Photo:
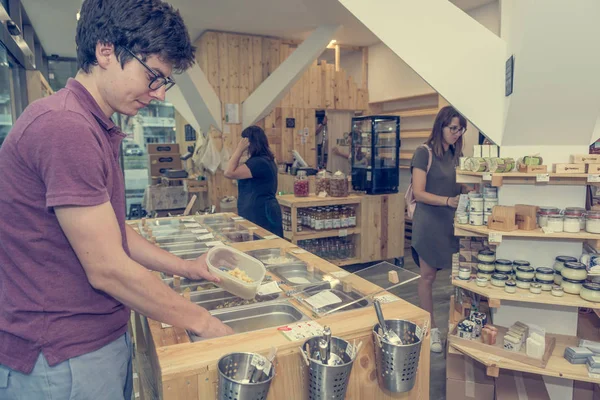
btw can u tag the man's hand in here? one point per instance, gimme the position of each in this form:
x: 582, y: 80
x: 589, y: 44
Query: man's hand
x: 198, y: 269
x: 213, y: 327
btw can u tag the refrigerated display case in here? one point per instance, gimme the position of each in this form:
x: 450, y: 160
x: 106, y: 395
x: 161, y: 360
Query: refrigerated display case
x: 376, y: 154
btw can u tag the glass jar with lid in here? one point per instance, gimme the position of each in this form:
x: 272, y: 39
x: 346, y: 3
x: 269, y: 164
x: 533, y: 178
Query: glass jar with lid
x: 544, y: 213
x: 572, y: 223
x: 337, y: 221
x: 301, y: 187
x: 505, y: 266
x: 525, y: 272
x: 572, y: 286
x: 574, y: 270
x: 499, y: 280
x: 486, y: 255
x: 544, y: 274
x: 559, y: 262
x: 555, y: 223
x: 322, y: 181
x: 338, y: 185
x: 590, y: 292
x: 520, y: 263
x: 576, y: 212
x: 486, y: 266
x: 592, y: 222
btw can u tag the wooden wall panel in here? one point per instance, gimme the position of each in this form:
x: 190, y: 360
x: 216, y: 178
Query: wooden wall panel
x: 236, y: 64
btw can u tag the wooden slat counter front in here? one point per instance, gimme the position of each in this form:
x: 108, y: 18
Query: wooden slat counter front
x: 181, y: 370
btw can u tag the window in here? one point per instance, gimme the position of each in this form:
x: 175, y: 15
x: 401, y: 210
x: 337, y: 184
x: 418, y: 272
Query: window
x: 153, y: 124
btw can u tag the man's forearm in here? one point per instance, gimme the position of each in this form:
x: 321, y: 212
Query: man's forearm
x: 152, y: 256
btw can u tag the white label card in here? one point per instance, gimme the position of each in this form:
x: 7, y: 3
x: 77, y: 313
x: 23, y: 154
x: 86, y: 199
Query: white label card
x: 301, y: 330
x: 164, y: 326
x: 387, y: 298
x: 418, y: 331
x: 323, y: 299
x: 343, y: 232
x: 213, y: 244
x: 192, y: 225
x: 237, y: 218
x: 267, y: 369
x: 542, y: 178
x: 269, y: 288
x: 593, y: 178
x: 495, y: 237
x: 350, y: 350
x: 270, y: 237
x: 205, y: 237
x: 487, y: 176
x: 199, y: 231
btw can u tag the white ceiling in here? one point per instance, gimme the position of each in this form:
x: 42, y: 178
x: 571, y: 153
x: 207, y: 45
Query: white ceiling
x: 55, y: 20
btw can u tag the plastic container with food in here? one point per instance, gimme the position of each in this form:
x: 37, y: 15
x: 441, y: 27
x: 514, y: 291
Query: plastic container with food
x: 239, y: 273
x: 576, y: 212
x: 478, y: 164
x: 301, y: 185
x: 544, y: 274
x: 525, y: 272
x: 572, y: 286
x: 486, y: 266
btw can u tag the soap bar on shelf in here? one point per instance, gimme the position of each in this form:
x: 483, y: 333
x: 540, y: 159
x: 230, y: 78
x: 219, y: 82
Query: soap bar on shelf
x: 535, y: 348
x: 511, y: 343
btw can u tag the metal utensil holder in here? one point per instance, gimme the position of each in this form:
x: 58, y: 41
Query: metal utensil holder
x: 235, y: 373
x: 397, y: 364
x: 328, y: 381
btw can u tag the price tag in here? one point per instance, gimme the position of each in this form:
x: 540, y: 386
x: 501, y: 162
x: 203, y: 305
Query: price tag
x: 164, y: 326
x: 206, y: 237
x: 350, y: 350
x: 193, y: 225
x: 542, y: 178
x: 493, y: 358
x: 323, y: 299
x: 419, y: 331
x: 199, y: 231
x: 237, y: 218
x: 213, y: 244
x: 270, y: 237
x: 267, y: 369
x: 487, y: 176
x: 269, y: 288
x: 387, y: 298
x: 343, y: 232
x: 495, y: 237
x: 301, y: 330
x: 593, y: 178
x: 594, y: 376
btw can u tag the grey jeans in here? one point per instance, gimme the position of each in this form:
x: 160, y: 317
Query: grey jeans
x: 102, y: 374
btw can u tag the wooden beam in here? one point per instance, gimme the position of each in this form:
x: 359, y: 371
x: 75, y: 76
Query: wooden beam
x: 337, y: 58
x: 273, y: 89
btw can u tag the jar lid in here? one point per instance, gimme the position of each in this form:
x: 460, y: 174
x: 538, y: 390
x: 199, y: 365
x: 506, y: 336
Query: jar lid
x: 545, y: 282
x: 475, y: 195
x: 487, y: 253
x: 521, y: 263
x: 511, y: 283
x: 525, y: 268
x: 485, y: 262
x: 574, y: 265
x: 524, y: 280
x: 544, y: 270
x: 500, y: 277
x: 490, y: 196
x: 573, y: 280
x: 592, y: 286
x: 577, y: 213
x: 503, y: 262
x: 565, y: 259
x: 555, y: 216
x: 593, y: 215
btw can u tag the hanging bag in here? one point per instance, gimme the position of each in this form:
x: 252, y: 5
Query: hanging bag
x: 409, y: 197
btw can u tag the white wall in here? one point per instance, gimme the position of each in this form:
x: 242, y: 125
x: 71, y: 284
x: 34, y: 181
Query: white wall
x: 390, y: 77
x: 351, y: 63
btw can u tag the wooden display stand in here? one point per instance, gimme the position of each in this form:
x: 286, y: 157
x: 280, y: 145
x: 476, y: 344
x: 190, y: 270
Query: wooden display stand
x: 379, y: 230
x: 171, y: 367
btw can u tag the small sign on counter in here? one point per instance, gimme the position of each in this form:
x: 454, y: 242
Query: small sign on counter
x: 269, y: 288
x: 387, y: 298
x: 205, y: 237
x: 542, y: 178
x: 323, y: 299
x: 593, y: 178
x: 301, y: 330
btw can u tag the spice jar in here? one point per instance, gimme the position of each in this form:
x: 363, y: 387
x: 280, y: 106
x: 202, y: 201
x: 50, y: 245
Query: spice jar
x: 486, y: 256
x: 301, y: 187
x: 555, y: 223
x: 544, y: 213
x: 574, y: 270
x: 592, y: 222
x: 577, y: 212
x: 590, y: 292
x: 535, y: 288
x: 322, y: 182
x: 337, y: 221
x: 510, y: 287
x: 338, y: 185
x: 572, y: 286
x: 557, y: 291
x: 559, y: 262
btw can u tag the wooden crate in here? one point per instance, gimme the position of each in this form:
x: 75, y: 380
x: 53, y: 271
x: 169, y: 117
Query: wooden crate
x: 533, y: 169
x: 569, y: 168
x: 526, y: 217
x: 503, y: 219
x: 593, y: 168
x: 585, y: 158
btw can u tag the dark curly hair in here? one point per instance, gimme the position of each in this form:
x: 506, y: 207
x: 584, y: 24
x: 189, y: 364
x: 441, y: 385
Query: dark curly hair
x: 146, y: 27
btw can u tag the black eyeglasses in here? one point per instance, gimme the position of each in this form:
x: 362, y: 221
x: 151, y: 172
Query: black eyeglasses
x: 456, y: 129
x: 158, y: 81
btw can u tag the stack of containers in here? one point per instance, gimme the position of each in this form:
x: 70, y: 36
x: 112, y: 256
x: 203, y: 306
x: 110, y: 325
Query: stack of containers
x: 490, y: 200
x: 480, y: 207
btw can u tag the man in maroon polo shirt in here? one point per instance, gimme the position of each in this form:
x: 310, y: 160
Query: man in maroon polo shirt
x: 70, y: 268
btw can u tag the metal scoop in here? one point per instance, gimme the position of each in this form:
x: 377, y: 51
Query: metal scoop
x: 388, y: 335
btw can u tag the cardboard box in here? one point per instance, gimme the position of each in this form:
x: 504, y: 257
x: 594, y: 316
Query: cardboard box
x: 466, y: 379
x: 162, y: 162
x: 585, y: 158
x: 512, y: 385
x: 161, y: 148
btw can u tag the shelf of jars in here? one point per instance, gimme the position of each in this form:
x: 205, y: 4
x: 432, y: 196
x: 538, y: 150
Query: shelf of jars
x: 524, y: 178
x: 483, y: 231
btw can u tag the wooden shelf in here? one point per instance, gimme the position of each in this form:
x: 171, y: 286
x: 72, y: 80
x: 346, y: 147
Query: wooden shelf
x: 421, y: 112
x: 521, y: 178
x: 406, y: 155
x: 312, y: 234
x: 496, y: 295
x: 414, y: 134
x: 432, y: 95
x: 557, y: 365
x: 484, y: 231
x: 289, y: 200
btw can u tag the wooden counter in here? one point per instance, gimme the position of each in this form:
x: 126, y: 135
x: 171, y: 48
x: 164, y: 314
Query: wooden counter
x: 380, y: 224
x: 179, y: 369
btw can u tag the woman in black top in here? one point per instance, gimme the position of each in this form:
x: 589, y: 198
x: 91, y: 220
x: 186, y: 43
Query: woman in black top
x: 257, y: 181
